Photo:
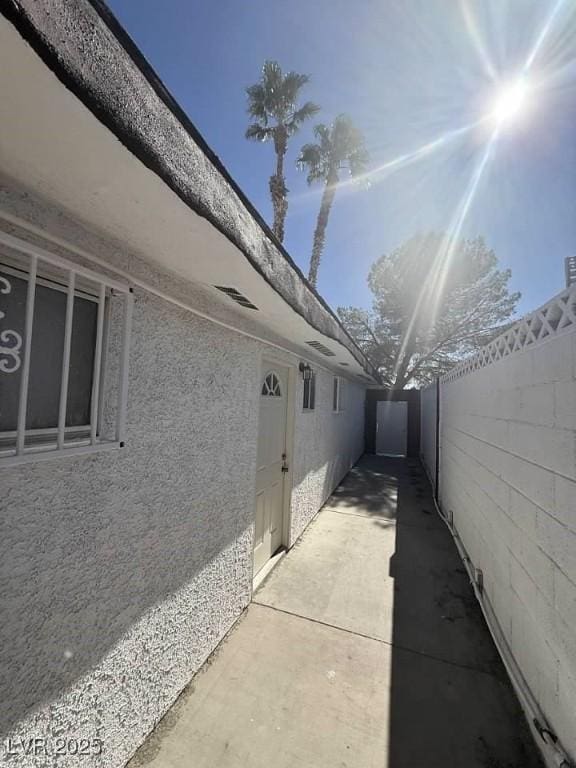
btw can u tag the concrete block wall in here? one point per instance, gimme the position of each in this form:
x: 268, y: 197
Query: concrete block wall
x: 508, y: 475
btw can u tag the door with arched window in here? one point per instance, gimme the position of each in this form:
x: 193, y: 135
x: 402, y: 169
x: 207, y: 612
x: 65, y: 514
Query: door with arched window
x: 271, y: 463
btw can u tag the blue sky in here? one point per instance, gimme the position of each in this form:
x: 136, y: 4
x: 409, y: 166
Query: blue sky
x: 408, y: 72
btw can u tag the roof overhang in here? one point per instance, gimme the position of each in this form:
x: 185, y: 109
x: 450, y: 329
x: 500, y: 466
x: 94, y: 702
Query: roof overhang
x: 87, y: 125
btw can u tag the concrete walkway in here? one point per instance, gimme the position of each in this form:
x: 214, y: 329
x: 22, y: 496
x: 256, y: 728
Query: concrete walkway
x: 364, y: 648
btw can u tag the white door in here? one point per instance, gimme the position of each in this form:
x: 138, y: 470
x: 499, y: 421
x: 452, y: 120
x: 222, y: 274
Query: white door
x: 271, y: 463
x: 391, y: 427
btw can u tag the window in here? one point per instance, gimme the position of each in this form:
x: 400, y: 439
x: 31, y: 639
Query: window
x: 338, y: 395
x: 309, y: 393
x: 56, y: 319
x: 271, y: 386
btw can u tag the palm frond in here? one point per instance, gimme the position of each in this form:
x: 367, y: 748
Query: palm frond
x: 309, y: 155
x: 305, y: 112
x: 293, y: 81
x: 312, y: 159
x: 322, y: 133
x: 275, y: 98
x: 348, y: 145
x: 257, y: 103
x: 338, y: 146
x: 272, y: 73
x: 258, y: 132
x: 292, y: 84
x: 358, y: 161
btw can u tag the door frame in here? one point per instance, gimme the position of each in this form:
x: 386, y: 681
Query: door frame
x: 412, y: 397
x: 268, y: 361
x: 381, y: 407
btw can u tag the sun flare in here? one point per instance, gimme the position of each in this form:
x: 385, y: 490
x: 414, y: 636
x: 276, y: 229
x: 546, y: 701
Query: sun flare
x: 510, y: 102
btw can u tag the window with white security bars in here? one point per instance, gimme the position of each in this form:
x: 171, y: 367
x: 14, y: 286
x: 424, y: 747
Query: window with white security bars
x: 64, y: 349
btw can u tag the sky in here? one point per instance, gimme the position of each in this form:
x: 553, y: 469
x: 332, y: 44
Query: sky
x: 408, y: 72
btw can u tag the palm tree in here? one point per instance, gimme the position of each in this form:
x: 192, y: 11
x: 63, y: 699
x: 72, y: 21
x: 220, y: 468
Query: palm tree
x: 273, y: 103
x: 339, y: 147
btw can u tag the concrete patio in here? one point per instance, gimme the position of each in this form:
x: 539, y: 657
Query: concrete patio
x: 364, y: 648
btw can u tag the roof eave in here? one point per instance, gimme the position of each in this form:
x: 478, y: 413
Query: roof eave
x: 94, y: 57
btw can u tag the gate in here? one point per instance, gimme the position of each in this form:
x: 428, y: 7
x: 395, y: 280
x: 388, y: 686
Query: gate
x: 391, y: 428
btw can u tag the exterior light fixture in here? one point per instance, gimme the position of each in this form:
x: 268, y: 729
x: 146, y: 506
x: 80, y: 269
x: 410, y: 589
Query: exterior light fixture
x: 306, y: 371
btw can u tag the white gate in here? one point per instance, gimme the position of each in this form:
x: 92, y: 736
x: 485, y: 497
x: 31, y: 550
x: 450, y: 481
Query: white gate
x: 391, y: 427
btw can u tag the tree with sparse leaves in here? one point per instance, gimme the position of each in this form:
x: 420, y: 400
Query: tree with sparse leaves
x: 435, y: 301
x: 273, y: 104
x: 338, y: 148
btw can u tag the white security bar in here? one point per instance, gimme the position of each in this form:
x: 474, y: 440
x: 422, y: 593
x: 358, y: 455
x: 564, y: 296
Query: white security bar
x: 33, y: 250
x: 66, y: 358
x: 123, y: 389
x: 53, y: 441
x: 23, y: 394
x: 97, y: 365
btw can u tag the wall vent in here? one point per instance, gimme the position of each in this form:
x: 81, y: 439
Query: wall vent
x: 319, y: 347
x: 235, y: 295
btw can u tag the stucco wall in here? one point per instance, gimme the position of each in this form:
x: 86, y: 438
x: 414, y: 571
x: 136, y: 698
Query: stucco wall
x: 508, y: 473
x: 122, y: 570
x: 327, y: 445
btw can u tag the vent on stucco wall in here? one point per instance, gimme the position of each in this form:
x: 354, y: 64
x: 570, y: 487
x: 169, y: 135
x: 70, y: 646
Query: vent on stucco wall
x: 235, y: 295
x: 319, y: 347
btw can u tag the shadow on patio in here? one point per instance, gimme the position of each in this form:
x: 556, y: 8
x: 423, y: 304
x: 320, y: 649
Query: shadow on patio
x: 364, y: 648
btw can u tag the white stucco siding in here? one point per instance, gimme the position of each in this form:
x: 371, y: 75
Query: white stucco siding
x: 124, y: 569
x: 327, y: 445
x: 508, y: 474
